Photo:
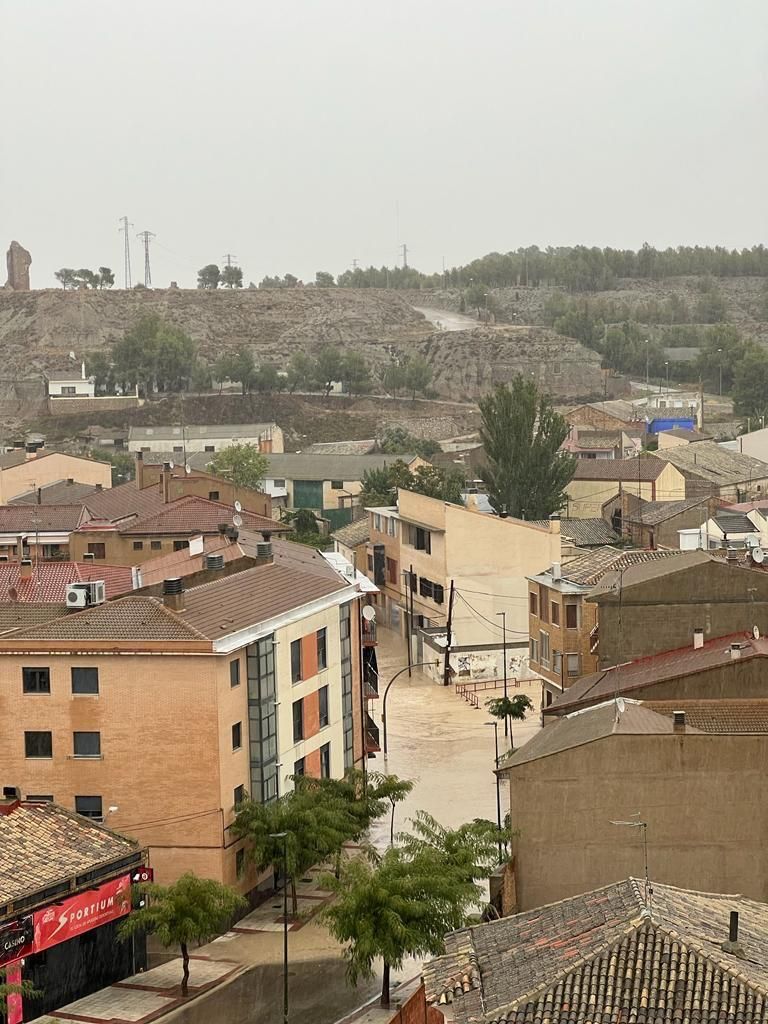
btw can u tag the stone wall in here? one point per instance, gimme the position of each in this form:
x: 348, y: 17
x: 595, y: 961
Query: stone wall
x: 18, y: 261
x: 63, y: 406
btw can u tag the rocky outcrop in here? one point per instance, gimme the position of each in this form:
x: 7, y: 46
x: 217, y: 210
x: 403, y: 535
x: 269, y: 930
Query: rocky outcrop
x: 19, y: 262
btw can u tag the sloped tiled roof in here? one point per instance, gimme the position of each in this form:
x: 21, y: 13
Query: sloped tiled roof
x: 735, y: 522
x: 610, y: 957
x: 127, y: 618
x: 341, y: 447
x: 43, y: 844
x: 123, y: 501
x: 712, y: 462
x: 587, y: 569
x: 642, y: 468
x: 651, y: 513
x: 49, y: 580
x: 584, y: 532
x: 191, y: 514
x: 721, y: 716
x: 43, y: 518
x: 62, y: 492
x: 22, y: 616
x: 354, y: 533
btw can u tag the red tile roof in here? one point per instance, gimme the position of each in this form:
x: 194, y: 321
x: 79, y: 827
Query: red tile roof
x: 49, y: 580
x: 43, y: 518
x: 723, y: 716
x: 123, y: 501
x: 631, y: 470
x: 191, y: 514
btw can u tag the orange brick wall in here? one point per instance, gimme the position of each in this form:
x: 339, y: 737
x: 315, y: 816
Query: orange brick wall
x: 311, y: 715
x: 312, y: 764
x: 309, y: 656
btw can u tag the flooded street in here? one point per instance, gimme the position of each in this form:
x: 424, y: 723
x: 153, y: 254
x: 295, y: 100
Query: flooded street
x: 445, y: 320
x: 441, y: 742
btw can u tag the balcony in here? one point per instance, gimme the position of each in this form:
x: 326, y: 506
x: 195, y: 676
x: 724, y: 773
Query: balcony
x: 372, y: 742
x: 370, y: 682
x: 369, y: 633
x: 594, y: 639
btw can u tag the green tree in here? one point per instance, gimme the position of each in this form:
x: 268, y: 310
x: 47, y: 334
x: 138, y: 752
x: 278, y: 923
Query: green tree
x: 66, y: 278
x: 380, y: 485
x: 200, y: 378
x: 9, y: 988
x: 397, y: 906
x: 304, y: 521
x: 711, y: 308
x: 394, y: 378
x: 267, y: 379
x: 324, y: 280
x: 99, y: 366
x: 721, y: 352
x: 190, y: 910
x: 418, y: 375
x: 471, y: 849
x: 301, y: 372
x: 510, y: 709
x: 232, y: 277
x: 526, y: 474
x: 209, y: 277
x: 355, y: 373
x: 392, y: 789
x: 434, y: 482
x: 122, y: 463
x: 329, y: 367
x: 242, y: 368
x: 154, y: 354
x: 398, y: 441
x: 474, y: 296
x: 243, y: 464
x: 106, y: 277
x: 750, y: 386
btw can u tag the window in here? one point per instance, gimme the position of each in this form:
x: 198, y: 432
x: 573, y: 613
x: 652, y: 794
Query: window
x: 68, y: 390
x: 298, y: 767
x: 322, y: 648
x: 97, y: 550
x: 89, y: 807
x: 323, y: 700
x: 38, y: 744
x: 337, y: 485
x: 557, y: 663
x: 534, y: 650
x: 295, y: 661
x: 298, y: 720
x: 179, y: 545
x: 178, y: 448
x: 533, y: 603
x: 573, y: 663
x: 36, y: 680
x: 138, y: 545
x: 278, y: 483
x: 421, y: 539
x: 370, y: 565
x: 85, y: 680
x: 234, y: 672
x: 555, y: 613
x: 156, y: 545
x: 325, y: 761
x: 209, y: 448
x: 543, y: 603
x: 237, y: 735
x: 213, y: 495
x: 438, y: 593
x: 557, y: 369
x: 571, y: 616
x: 238, y: 796
x: 377, y: 521
x: 240, y: 862
x: 392, y: 527
x: 425, y: 587
x: 544, y: 648
x: 87, y: 744
x: 38, y: 799
x: 392, y: 571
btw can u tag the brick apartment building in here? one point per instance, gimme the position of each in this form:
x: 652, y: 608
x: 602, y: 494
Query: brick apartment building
x: 158, y: 715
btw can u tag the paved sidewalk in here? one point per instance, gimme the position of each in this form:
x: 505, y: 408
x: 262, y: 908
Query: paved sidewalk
x: 145, y: 997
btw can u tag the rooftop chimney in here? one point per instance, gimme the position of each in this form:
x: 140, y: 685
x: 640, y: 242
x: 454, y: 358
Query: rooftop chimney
x: 70, y: 481
x: 10, y: 800
x: 173, y: 593
x: 165, y: 482
x: 732, y: 556
x: 732, y: 945
x: 99, y: 487
x: 735, y: 651
x: 555, y: 571
x: 26, y: 568
x: 698, y: 638
x: 554, y: 523
x: 678, y: 720
x: 214, y: 561
x: 139, y: 470
x: 40, y: 495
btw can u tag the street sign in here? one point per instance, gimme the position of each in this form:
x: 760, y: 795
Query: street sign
x: 16, y: 939
x: 143, y: 875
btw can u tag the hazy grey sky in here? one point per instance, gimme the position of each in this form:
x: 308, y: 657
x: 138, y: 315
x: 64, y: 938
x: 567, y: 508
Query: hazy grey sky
x: 288, y: 132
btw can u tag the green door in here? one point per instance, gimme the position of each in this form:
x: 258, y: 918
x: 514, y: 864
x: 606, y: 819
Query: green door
x: 308, y: 494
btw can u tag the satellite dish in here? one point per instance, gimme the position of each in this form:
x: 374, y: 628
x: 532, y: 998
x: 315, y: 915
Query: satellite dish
x: 757, y: 555
x: 238, y: 507
x: 237, y: 521
x: 187, y: 468
x: 369, y: 613
x: 171, y: 464
x: 620, y: 705
x: 756, y: 632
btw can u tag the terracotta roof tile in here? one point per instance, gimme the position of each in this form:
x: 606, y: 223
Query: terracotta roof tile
x: 45, y: 518
x: 584, y: 532
x: 42, y: 844
x: 125, y: 500
x: 641, y: 468
x: 127, y: 618
x: 62, y: 492
x: 49, y: 580
x: 354, y: 533
x: 720, y: 716
x: 605, y: 958
x: 587, y: 569
x: 191, y: 514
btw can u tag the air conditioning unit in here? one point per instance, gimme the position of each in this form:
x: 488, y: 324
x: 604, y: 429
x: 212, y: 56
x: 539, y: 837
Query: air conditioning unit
x: 83, y: 595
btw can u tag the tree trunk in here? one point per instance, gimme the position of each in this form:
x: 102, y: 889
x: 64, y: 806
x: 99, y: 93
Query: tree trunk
x: 185, y: 964
x: 294, y: 898
x: 385, y: 987
x: 511, y: 741
x: 392, y: 826
x: 337, y: 871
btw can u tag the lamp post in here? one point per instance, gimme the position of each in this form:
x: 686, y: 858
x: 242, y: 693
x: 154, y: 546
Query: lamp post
x: 504, y: 656
x: 498, y: 791
x: 284, y: 837
x: 419, y: 664
x: 647, y: 363
x: 720, y: 354
x: 666, y: 363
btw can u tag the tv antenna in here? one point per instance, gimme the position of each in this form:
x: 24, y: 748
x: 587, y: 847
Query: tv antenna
x: 636, y: 823
x: 127, y: 269
x: 145, y: 237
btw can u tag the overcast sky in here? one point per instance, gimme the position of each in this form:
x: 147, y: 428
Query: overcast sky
x: 302, y: 134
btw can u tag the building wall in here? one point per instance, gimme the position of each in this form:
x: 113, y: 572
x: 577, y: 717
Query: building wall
x: 82, y: 388
x: 661, y: 614
x: 596, y: 419
x: 561, y: 639
x: 119, y: 549
x: 182, y: 485
x: 268, y: 441
x: 703, y: 797
x: 37, y: 472
x: 64, y: 406
x: 585, y: 498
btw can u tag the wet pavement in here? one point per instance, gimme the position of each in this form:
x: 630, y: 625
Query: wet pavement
x: 446, y: 320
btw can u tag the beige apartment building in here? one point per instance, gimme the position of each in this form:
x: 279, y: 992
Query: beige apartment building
x: 157, y: 716
x: 210, y: 438
x: 23, y: 471
x: 596, y: 481
x: 418, y: 547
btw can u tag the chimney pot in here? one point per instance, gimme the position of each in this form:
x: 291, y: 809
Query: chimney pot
x: 173, y: 593
x: 26, y: 568
x: 679, y: 721
x: 555, y: 571
x: 732, y: 945
x: 698, y: 638
x: 70, y: 481
x: 214, y: 561
x: 735, y: 651
x: 88, y: 556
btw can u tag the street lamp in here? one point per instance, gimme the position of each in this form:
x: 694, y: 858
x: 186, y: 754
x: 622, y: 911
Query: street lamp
x: 720, y: 353
x: 647, y: 363
x: 419, y: 664
x: 284, y: 837
x: 498, y: 791
x: 504, y: 655
x: 666, y: 363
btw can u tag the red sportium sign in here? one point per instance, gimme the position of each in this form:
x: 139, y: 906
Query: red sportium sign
x: 77, y: 915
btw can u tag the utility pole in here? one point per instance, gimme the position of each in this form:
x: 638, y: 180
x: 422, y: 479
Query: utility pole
x: 407, y: 576
x: 504, y: 655
x: 228, y: 257
x: 355, y: 263
x: 446, y: 664
x: 145, y: 237
x: 127, y: 268
x: 404, y: 247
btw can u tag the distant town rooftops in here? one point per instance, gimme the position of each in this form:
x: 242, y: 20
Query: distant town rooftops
x: 226, y: 431
x: 353, y: 534
x: 610, y: 955
x: 62, y: 492
x: 191, y: 514
x: 48, y: 580
x: 42, y: 845
x: 341, y: 448
x: 584, y: 532
x: 688, y: 434
x: 298, y: 466
x: 712, y: 462
x: 651, y: 513
x: 642, y: 468
x: 717, y: 716
x: 615, y: 407
x: 30, y: 519
x: 585, y: 570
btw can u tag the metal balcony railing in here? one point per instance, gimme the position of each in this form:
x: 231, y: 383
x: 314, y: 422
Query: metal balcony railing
x: 372, y: 739
x: 369, y: 633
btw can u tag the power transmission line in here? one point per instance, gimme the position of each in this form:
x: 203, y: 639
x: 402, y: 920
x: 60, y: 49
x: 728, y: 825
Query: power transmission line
x: 404, y: 247
x: 145, y: 236
x: 127, y: 268
x: 228, y: 257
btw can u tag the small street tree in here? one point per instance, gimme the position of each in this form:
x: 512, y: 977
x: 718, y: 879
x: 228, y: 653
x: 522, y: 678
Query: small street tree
x: 243, y: 464
x: 471, y: 849
x: 392, y: 789
x: 526, y: 473
x: 106, y: 277
x: 510, y: 709
x: 190, y: 910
